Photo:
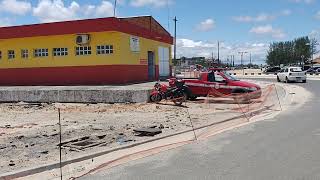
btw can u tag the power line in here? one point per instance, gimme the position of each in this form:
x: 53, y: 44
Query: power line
x: 218, y: 53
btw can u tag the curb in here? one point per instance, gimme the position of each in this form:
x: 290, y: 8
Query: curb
x: 48, y: 167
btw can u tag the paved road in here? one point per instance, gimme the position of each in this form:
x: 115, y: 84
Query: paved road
x: 287, y: 147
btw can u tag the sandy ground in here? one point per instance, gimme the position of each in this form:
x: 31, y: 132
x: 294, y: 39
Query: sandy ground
x: 29, y: 133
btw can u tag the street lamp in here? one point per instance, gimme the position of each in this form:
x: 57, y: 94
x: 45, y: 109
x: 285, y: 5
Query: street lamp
x: 302, y: 61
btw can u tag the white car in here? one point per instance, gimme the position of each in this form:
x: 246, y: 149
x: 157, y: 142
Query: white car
x: 292, y: 74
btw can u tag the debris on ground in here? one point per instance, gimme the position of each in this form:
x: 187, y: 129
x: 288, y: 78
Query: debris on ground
x: 151, y: 131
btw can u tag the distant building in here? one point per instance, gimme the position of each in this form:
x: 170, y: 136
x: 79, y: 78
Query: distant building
x: 187, y: 62
x: 316, y: 61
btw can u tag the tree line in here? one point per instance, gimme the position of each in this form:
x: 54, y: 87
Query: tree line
x: 297, y: 51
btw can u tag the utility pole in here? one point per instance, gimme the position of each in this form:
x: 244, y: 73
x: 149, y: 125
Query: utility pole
x: 233, y: 60
x: 250, y: 61
x: 218, y: 53
x: 212, y: 60
x: 175, y: 39
x: 114, y: 8
x: 242, y: 53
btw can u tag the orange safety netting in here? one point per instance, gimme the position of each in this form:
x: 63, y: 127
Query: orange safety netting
x: 247, y: 103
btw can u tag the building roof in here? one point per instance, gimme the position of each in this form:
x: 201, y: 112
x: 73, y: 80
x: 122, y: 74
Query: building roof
x: 316, y: 61
x: 142, y: 26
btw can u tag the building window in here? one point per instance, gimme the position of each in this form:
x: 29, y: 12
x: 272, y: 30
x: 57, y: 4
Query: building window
x: 24, y: 53
x: 11, y: 54
x: 105, y: 49
x: 41, y: 52
x: 83, y: 50
x: 60, y: 51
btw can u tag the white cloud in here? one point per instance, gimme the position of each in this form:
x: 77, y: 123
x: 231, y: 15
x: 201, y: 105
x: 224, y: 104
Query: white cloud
x: 317, y: 16
x: 121, y: 2
x: 89, y: 10
x: 262, y: 17
x: 303, y: 1
x: 206, y: 25
x: 286, y: 12
x: 191, y: 48
x: 314, y: 34
x: 268, y: 30
x: 57, y: 10
x: 154, y: 3
x: 259, y: 18
x: 5, y: 22
x: 188, y: 43
x: 15, y: 7
x: 105, y: 9
x: 258, y: 45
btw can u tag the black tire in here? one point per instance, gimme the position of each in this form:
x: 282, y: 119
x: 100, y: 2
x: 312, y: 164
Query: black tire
x: 192, y: 98
x: 179, y: 101
x: 287, y: 80
x: 278, y: 79
x: 156, y: 98
x: 304, y: 81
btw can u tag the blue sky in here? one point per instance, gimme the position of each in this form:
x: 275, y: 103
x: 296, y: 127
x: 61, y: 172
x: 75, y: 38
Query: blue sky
x: 246, y: 25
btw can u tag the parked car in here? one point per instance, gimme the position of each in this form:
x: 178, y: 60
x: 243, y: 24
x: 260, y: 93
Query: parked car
x: 272, y: 70
x: 223, y: 84
x: 313, y: 70
x: 292, y: 74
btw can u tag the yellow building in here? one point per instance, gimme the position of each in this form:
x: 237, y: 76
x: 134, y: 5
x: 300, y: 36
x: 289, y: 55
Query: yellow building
x: 85, y: 52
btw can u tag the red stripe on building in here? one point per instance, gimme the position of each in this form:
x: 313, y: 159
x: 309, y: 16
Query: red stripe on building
x: 143, y: 61
x: 83, y: 75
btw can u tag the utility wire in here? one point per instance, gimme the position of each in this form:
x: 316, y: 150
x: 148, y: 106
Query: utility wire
x: 189, y: 117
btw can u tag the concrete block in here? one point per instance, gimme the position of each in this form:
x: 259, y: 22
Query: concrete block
x: 77, y: 94
x: 5, y: 96
x: 66, y: 96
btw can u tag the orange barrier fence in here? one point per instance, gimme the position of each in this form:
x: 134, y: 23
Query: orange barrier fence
x: 267, y: 98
